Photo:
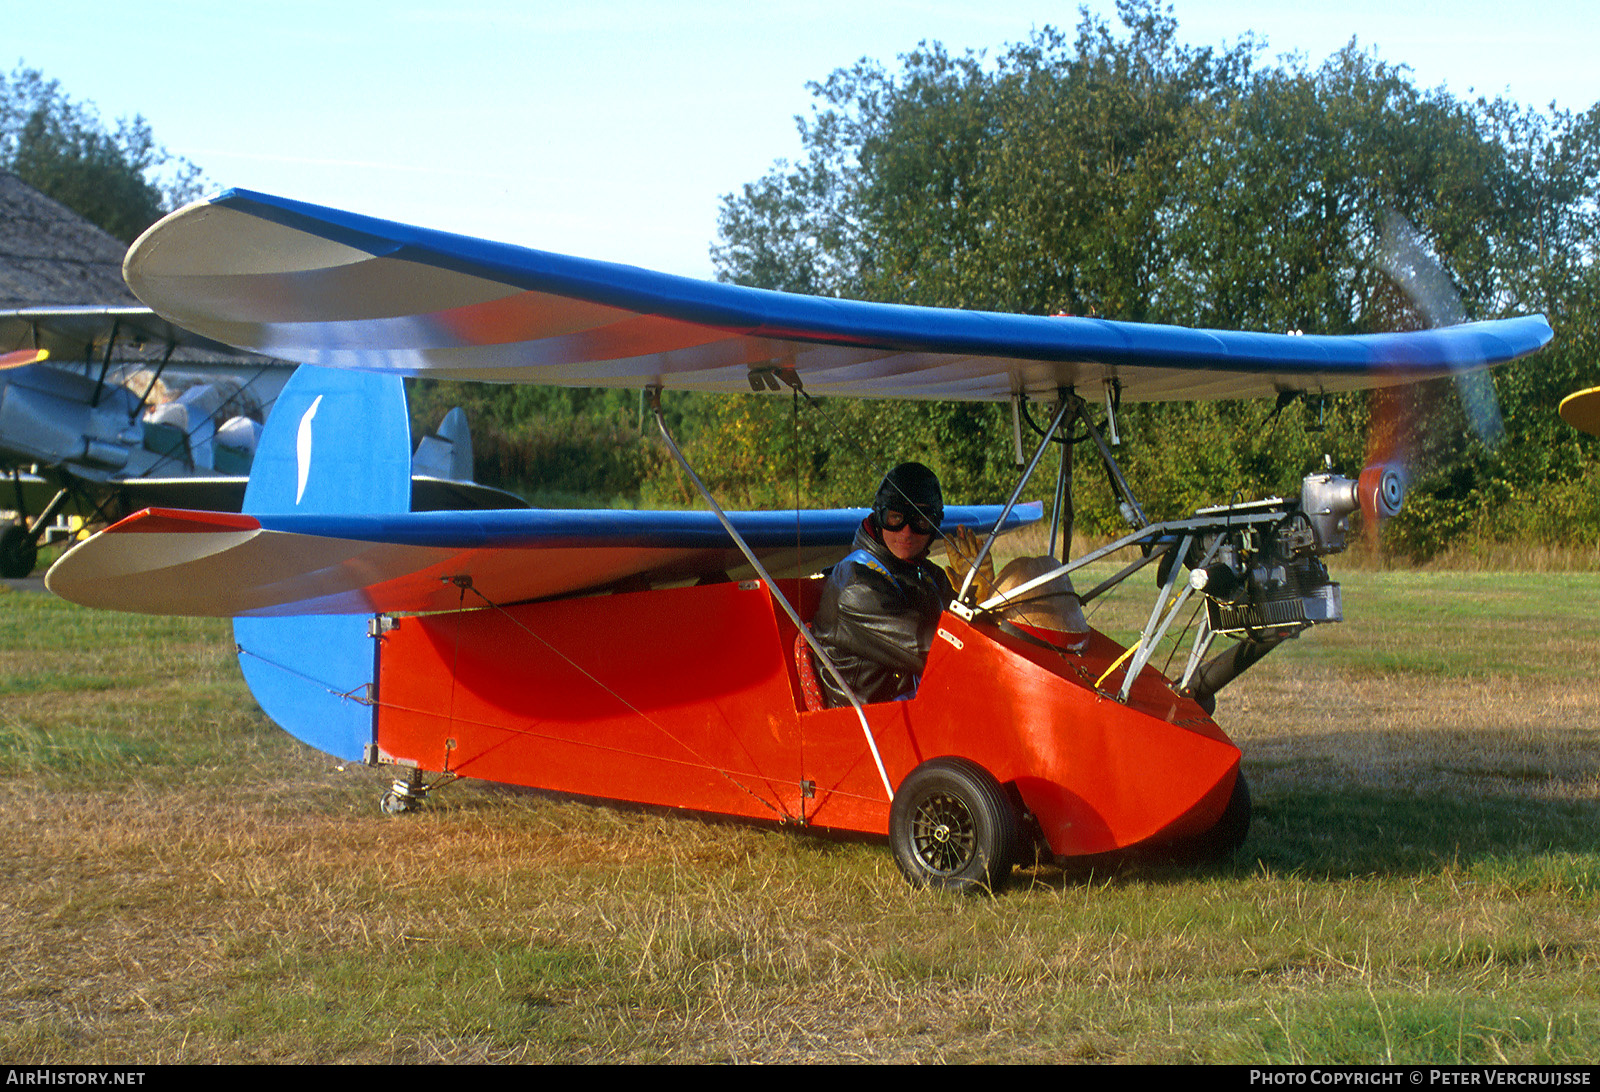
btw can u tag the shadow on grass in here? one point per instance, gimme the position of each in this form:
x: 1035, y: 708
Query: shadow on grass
x: 1333, y: 834
x: 1366, y: 832
x: 1517, y: 841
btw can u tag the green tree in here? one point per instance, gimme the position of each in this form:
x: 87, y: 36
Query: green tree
x: 1121, y: 174
x: 1035, y: 184
x: 118, y: 178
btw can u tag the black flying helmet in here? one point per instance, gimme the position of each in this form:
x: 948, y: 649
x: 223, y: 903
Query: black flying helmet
x: 913, y: 490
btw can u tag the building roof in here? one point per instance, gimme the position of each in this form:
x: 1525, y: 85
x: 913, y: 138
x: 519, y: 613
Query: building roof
x: 50, y: 256
x: 61, y: 289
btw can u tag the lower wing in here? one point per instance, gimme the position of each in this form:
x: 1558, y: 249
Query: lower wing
x: 223, y: 565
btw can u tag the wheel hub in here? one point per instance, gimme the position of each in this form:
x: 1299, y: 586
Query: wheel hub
x: 943, y: 834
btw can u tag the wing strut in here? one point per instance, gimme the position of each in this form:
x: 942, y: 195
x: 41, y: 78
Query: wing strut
x: 1016, y: 494
x: 155, y: 378
x: 777, y: 593
x: 105, y: 363
x: 1061, y: 512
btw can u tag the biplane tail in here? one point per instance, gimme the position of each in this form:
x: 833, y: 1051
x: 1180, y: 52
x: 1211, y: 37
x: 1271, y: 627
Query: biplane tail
x: 447, y: 452
x: 337, y: 443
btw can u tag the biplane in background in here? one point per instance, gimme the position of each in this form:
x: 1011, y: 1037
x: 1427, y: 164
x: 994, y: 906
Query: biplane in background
x: 105, y: 411
x: 681, y: 688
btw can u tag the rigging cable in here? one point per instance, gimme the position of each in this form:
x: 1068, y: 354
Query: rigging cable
x: 467, y: 585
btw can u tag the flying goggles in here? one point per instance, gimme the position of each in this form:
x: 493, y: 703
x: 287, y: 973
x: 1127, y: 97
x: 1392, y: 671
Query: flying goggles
x: 890, y: 520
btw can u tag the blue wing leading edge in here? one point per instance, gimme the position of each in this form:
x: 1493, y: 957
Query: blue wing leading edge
x: 327, y: 287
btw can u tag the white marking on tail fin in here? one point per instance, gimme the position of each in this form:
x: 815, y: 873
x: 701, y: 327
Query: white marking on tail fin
x: 302, y: 447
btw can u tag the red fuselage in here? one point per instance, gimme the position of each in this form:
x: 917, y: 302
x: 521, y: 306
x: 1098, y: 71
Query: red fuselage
x: 689, y: 698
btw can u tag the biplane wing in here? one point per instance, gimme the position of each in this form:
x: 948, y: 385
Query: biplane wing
x: 117, y: 409
x: 75, y: 381
x: 328, y: 287
x: 95, y: 334
x: 79, y: 388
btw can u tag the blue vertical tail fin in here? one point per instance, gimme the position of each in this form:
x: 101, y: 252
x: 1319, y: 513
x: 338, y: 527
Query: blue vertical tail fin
x: 336, y: 442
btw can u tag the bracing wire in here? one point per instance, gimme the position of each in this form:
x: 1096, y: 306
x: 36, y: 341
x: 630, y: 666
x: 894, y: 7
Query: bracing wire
x: 646, y: 717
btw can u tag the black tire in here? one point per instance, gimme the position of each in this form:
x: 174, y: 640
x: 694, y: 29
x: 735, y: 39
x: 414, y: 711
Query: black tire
x: 1224, y: 839
x: 951, y: 827
x: 18, y: 552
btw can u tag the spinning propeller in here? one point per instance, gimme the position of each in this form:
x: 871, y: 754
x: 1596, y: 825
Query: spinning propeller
x: 1398, y: 413
x: 21, y: 358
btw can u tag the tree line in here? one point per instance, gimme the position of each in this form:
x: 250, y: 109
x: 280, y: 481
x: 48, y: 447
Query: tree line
x: 115, y: 176
x: 1110, y: 171
x: 1115, y: 172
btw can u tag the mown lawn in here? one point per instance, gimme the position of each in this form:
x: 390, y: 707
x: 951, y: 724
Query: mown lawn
x: 1422, y: 883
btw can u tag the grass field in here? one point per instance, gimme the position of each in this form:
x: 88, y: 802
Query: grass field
x: 184, y: 883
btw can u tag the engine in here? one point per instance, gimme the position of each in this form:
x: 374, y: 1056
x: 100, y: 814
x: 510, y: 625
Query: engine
x: 1265, y: 576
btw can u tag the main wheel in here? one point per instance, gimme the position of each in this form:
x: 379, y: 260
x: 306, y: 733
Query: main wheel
x: 1229, y: 833
x: 18, y: 552
x: 1224, y: 839
x: 952, y: 827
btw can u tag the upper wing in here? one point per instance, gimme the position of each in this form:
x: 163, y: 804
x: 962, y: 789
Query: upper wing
x: 328, y: 287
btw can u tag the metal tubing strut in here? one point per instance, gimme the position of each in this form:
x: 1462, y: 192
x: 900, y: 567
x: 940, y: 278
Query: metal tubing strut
x: 36, y: 527
x: 1153, y: 533
x: 1119, y: 484
x: 994, y: 532
x: 105, y: 364
x: 1061, y: 513
x: 172, y: 347
x: 772, y: 587
x: 1147, y: 640
x: 1202, y: 644
x: 1157, y: 625
x: 1157, y: 552
x: 1016, y: 428
x: 1067, y: 568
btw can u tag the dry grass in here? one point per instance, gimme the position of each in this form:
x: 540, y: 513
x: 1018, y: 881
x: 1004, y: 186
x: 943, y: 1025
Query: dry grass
x: 186, y: 884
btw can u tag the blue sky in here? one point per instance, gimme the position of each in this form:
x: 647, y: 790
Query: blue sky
x: 610, y: 128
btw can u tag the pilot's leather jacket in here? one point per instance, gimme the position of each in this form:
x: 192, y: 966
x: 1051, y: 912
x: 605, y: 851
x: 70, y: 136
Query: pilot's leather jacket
x: 877, y: 619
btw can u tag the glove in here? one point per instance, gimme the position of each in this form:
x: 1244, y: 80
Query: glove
x: 962, y: 546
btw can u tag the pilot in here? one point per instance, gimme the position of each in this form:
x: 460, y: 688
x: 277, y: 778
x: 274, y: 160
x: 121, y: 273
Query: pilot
x: 881, y: 605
